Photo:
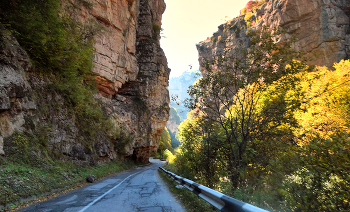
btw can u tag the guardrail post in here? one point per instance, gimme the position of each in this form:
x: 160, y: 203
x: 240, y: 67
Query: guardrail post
x: 220, y: 201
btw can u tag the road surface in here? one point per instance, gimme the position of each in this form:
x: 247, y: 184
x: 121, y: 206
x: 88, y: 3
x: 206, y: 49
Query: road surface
x: 140, y: 189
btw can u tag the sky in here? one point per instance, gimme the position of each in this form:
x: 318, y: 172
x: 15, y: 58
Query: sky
x: 186, y: 23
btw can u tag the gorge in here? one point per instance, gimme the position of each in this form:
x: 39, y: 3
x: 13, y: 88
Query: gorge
x: 131, y: 73
x: 92, y: 86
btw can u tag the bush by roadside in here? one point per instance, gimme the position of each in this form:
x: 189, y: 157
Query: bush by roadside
x: 22, y: 184
x: 190, y: 201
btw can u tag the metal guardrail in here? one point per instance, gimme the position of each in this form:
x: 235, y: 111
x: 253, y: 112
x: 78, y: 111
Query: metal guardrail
x: 220, y: 201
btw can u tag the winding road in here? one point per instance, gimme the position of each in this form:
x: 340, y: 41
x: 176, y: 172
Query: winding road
x: 139, y: 189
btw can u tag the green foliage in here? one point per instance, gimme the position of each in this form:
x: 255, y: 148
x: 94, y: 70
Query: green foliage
x: 157, y: 29
x: 121, y: 139
x: 168, y: 155
x: 196, y: 158
x: 165, y: 144
x: 250, y: 16
x: 322, y: 175
x: 322, y: 181
x: 304, y: 164
x: 285, y: 122
x: 60, y: 49
x: 54, y: 42
x: 257, y: 4
x: 165, y: 139
x: 22, y: 147
x: 191, y: 201
x: 33, y: 171
x: 325, y: 110
x: 297, y: 158
x: 228, y: 97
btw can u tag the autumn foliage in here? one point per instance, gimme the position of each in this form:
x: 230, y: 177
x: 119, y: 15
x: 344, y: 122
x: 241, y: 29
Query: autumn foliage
x: 270, y: 130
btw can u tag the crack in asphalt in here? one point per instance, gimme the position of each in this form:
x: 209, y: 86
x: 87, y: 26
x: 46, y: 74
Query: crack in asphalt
x: 134, y: 190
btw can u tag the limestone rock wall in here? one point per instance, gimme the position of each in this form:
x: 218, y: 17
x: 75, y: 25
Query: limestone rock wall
x: 115, y: 22
x: 320, y: 26
x: 14, y: 87
x: 143, y: 103
x: 130, y: 67
x: 131, y: 73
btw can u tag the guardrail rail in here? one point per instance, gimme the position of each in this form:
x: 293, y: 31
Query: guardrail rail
x: 220, y: 201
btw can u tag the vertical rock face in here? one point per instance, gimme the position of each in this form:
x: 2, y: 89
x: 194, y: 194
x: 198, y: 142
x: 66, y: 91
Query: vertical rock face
x: 14, y: 87
x: 130, y: 67
x: 320, y: 26
x: 146, y: 99
x: 228, y: 36
x: 131, y: 73
x: 114, y: 40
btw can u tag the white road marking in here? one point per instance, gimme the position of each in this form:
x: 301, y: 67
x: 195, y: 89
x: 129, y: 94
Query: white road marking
x: 100, y: 197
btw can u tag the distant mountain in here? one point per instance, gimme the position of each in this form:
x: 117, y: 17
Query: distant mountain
x: 172, y: 124
x: 178, y: 86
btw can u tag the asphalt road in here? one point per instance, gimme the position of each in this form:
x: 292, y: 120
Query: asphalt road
x: 140, y: 189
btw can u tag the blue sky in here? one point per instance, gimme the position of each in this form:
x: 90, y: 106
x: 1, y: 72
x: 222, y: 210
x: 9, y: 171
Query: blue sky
x: 188, y: 22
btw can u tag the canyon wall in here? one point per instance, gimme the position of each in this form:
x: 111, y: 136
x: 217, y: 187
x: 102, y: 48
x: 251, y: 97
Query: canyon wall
x: 322, y: 29
x: 130, y: 70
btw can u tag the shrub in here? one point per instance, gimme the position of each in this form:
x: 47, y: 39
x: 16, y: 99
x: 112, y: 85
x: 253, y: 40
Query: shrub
x: 60, y: 49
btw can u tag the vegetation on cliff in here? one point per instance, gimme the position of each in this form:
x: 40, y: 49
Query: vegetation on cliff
x: 61, y: 51
x: 25, y: 176
x: 164, y: 146
x: 250, y: 9
x: 270, y: 130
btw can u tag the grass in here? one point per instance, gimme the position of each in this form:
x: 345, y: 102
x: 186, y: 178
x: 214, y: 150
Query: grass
x: 28, y: 173
x: 190, y: 201
x: 61, y: 51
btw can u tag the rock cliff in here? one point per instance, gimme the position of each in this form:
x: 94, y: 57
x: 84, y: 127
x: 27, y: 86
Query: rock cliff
x: 322, y: 29
x: 14, y: 86
x: 130, y: 70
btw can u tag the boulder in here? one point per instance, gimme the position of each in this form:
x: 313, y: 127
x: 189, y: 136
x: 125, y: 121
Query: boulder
x: 90, y: 178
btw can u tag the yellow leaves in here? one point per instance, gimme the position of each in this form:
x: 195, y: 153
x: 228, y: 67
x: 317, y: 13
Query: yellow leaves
x: 169, y: 156
x: 343, y: 66
x: 20, y: 139
x: 248, y: 19
x: 245, y: 100
x: 325, y: 110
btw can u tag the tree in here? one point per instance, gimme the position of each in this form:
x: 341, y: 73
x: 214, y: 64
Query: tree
x: 322, y: 176
x: 199, y: 151
x: 165, y: 143
x: 229, y: 94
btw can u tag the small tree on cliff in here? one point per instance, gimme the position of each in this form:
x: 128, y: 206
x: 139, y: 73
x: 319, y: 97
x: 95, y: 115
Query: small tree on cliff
x: 228, y: 95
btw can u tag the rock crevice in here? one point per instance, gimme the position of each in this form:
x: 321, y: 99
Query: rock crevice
x: 131, y: 73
